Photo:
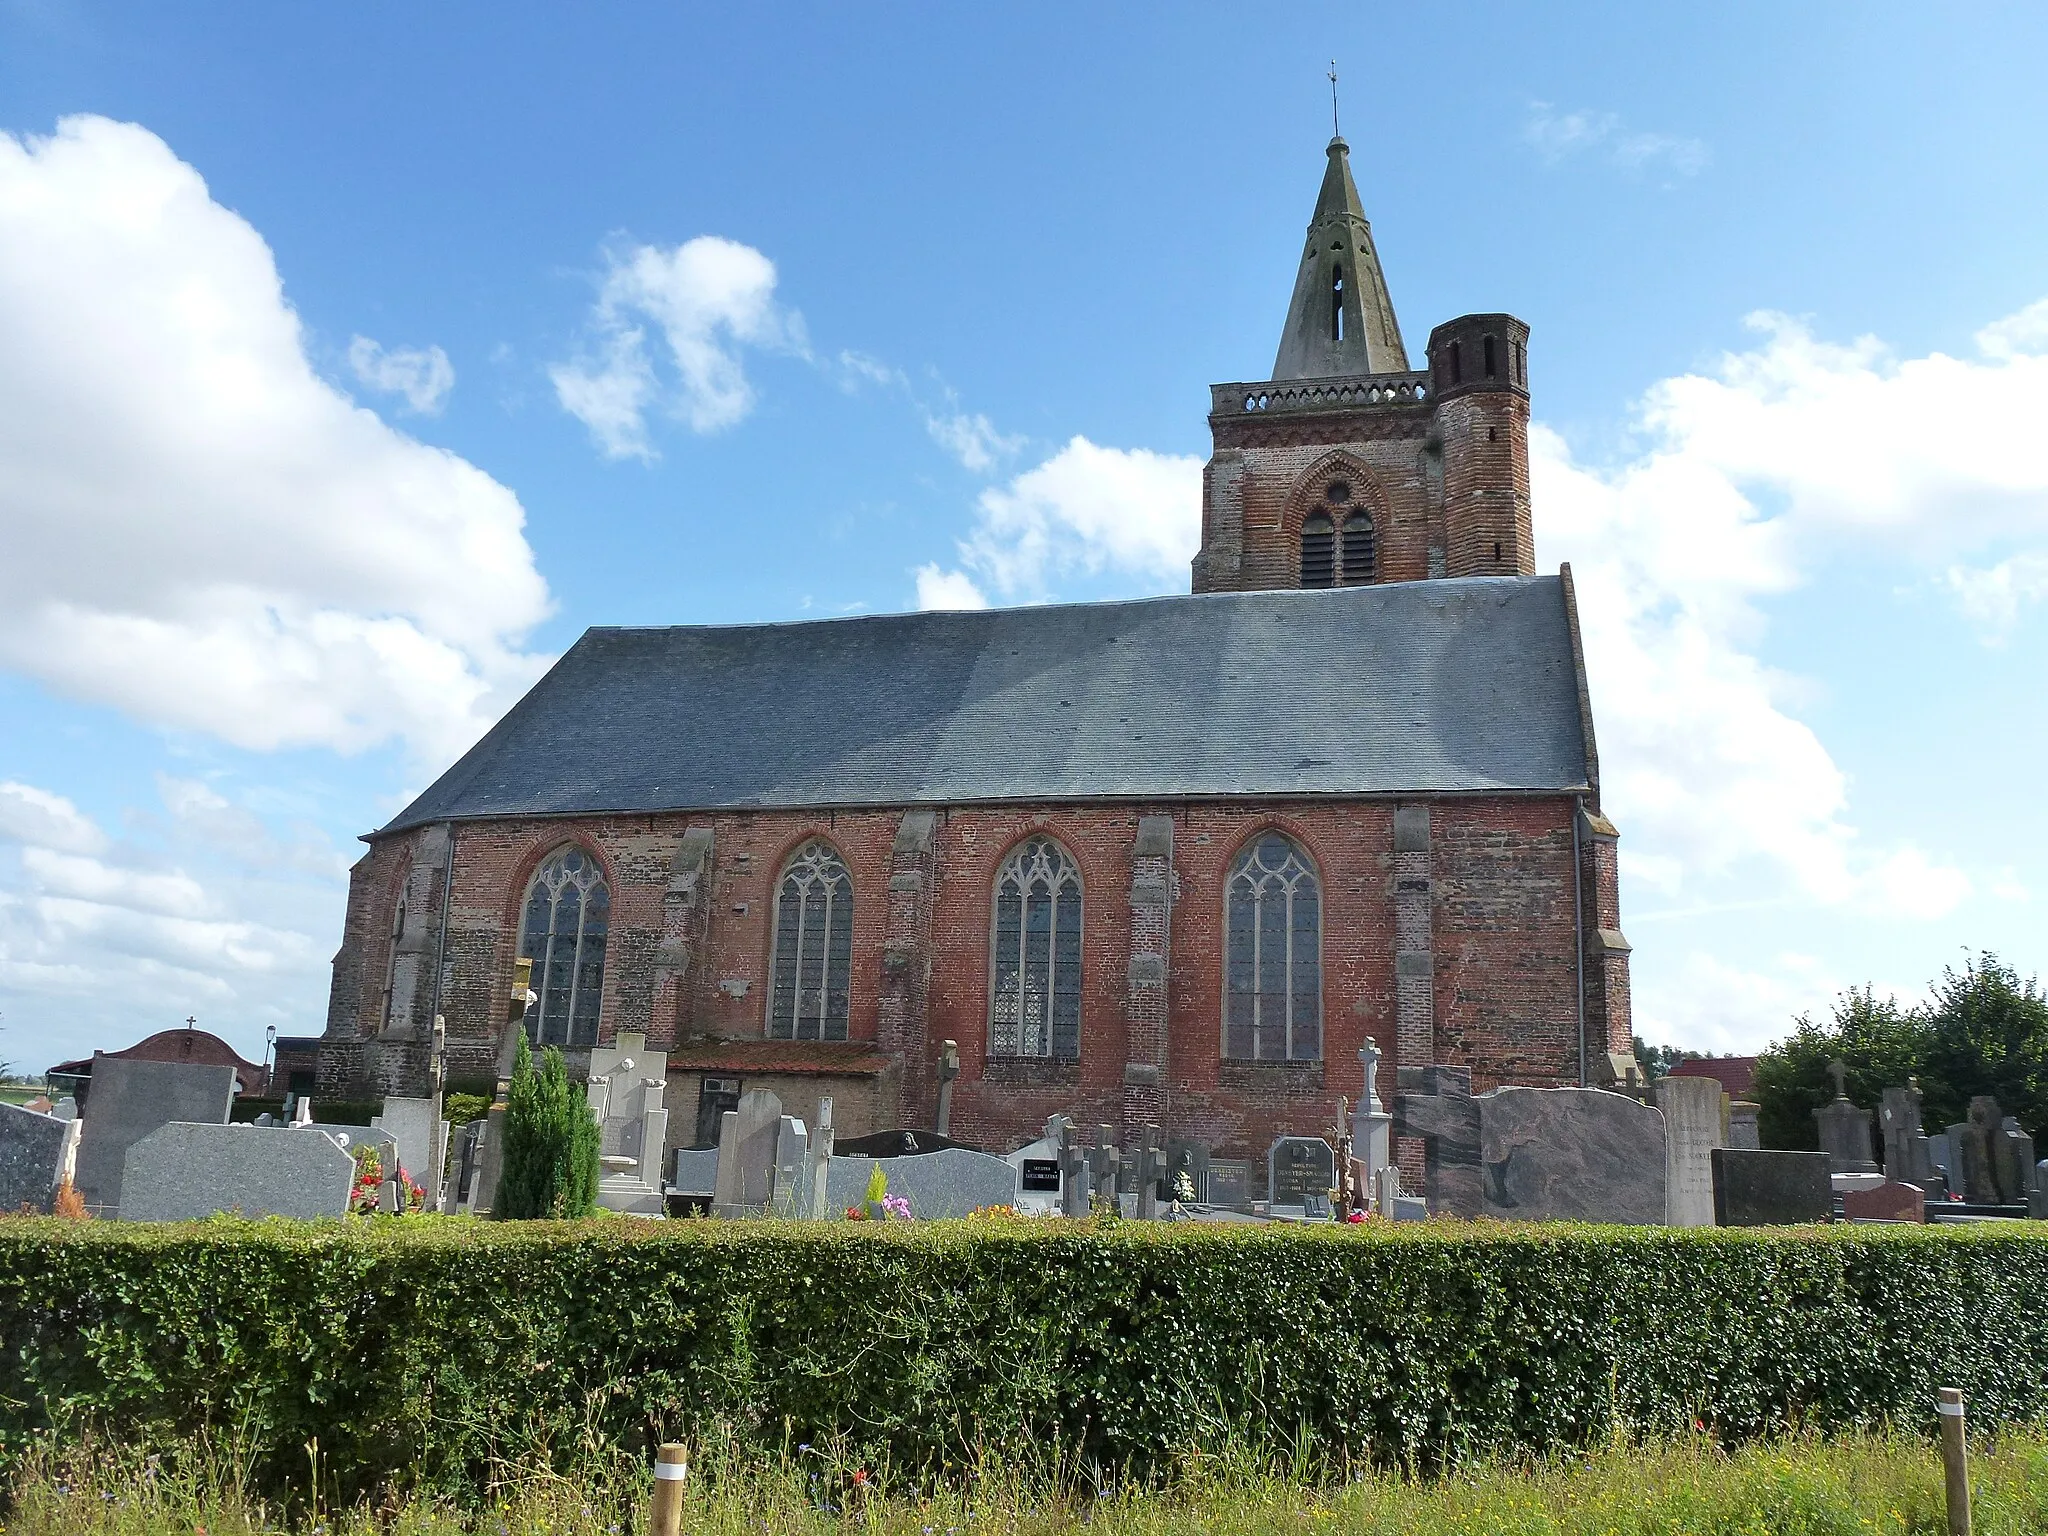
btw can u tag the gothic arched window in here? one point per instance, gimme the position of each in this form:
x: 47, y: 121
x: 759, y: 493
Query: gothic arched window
x: 1358, y: 549
x: 1035, y: 991
x: 1273, y: 968
x: 813, y: 947
x: 1337, y: 302
x: 1318, y: 552
x: 568, y: 909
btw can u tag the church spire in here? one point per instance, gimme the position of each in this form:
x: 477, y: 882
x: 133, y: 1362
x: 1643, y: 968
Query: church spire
x: 1341, y: 320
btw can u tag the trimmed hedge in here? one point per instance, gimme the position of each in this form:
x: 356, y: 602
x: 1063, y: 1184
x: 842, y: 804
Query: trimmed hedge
x: 423, y: 1351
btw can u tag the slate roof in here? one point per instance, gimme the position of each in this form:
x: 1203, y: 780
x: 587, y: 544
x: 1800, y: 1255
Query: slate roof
x: 1424, y: 686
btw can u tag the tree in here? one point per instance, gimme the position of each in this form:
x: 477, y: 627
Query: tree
x: 1658, y: 1060
x: 550, y: 1162
x: 1983, y: 1031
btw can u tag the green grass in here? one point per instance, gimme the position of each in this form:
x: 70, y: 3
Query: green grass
x: 1803, y: 1486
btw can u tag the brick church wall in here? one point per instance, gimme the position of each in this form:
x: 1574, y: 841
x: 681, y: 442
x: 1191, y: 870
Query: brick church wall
x: 1500, y: 919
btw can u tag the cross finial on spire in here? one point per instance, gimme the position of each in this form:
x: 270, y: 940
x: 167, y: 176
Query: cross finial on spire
x: 1333, y: 101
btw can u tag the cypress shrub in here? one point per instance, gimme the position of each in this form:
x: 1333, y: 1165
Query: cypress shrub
x: 550, y: 1164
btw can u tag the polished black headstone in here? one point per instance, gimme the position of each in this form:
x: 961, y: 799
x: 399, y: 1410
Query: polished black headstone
x: 1770, y: 1189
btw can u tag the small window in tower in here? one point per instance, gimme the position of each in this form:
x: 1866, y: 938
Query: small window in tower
x: 1521, y: 366
x: 1496, y: 551
x: 1489, y: 357
x: 1358, y: 549
x: 1318, y: 552
x: 1490, y: 435
x: 1457, y: 364
x: 1337, y: 302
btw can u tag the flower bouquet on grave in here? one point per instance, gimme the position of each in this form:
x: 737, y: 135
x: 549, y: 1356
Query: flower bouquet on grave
x: 362, y: 1195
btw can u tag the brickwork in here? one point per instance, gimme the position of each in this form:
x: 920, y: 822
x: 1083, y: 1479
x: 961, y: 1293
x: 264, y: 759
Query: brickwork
x: 1492, y: 923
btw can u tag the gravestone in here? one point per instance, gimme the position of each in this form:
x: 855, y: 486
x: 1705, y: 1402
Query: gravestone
x: 1571, y: 1154
x: 1105, y: 1168
x: 1844, y: 1129
x: 625, y: 1086
x: 1371, y: 1125
x: 939, y: 1185
x: 818, y: 1163
x: 1187, y: 1170
x: 1038, y: 1172
x: 128, y: 1100
x: 1691, y: 1107
x: 746, y: 1154
x: 2037, y: 1193
x: 1771, y: 1189
x: 1969, y: 1161
x: 33, y: 1149
x: 1892, y: 1200
x: 1230, y: 1183
x: 1742, y: 1127
x: 790, y: 1195
x: 694, y: 1170
x: 184, y: 1172
x: 1073, y: 1172
x: 414, y: 1124
x: 1297, y: 1167
x: 1436, y: 1104
x: 2012, y: 1158
x: 1906, y: 1158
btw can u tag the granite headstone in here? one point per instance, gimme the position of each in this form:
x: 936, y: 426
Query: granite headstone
x: 128, y: 1100
x: 1742, y: 1125
x: 1297, y: 1167
x: 189, y: 1172
x: 32, y: 1152
x: 1770, y: 1189
x: 1435, y: 1104
x: 746, y: 1154
x: 948, y: 1183
x: 1571, y: 1154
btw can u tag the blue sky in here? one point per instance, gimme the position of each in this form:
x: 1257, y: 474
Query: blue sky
x: 351, y: 364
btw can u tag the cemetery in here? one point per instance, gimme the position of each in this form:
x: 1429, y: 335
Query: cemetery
x: 1445, y: 1277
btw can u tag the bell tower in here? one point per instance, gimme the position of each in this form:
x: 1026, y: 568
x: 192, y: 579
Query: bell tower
x: 1346, y: 467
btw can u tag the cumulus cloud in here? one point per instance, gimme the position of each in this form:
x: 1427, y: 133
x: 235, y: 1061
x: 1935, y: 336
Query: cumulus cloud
x: 109, y: 938
x: 422, y: 375
x: 1558, y: 136
x: 200, y: 530
x: 1753, y: 478
x: 973, y: 440
x: 940, y: 588
x: 1087, y: 510
x: 708, y: 298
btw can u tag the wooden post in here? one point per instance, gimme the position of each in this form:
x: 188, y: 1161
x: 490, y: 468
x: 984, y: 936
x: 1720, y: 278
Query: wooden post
x: 671, y: 1467
x: 1955, y: 1460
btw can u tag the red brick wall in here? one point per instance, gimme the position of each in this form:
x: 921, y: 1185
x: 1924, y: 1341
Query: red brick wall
x: 1502, y: 934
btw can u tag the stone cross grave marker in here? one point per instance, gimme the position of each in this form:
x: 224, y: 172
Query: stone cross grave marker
x: 1436, y: 1104
x: 1844, y: 1129
x: 1073, y: 1177
x: 1906, y: 1157
x: 129, y: 1099
x: 1105, y: 1167
x: 1371, y: 1126
x: 1151, y: 1169
x: 818, y: 1164
x: 1691, y: 1107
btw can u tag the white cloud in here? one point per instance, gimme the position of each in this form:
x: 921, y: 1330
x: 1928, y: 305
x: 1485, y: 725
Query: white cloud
x: 937, y: 588
x: 1087, y: 510
x: 43, y: 820
x: 112, y: 940
x: 199, y: 530
x: 1771, y: 467
x: 203, y: 817
x: 1703, y: 1003
x: 1557, y: 136
x: 423, y: 376
x: 708, y: 297
x: 1993, y: 597
x: 973, y: 440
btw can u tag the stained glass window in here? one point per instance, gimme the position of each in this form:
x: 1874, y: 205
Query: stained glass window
x: 1273, y: 969
x: 1035, y: 999
x: 568, y: 909
x: 813, y: 947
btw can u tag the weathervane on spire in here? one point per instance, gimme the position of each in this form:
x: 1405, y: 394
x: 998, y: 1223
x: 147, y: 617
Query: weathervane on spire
x: 1333, y: 101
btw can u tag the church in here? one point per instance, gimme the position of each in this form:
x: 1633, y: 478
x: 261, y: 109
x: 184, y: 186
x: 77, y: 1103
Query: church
x: 1167, y: 862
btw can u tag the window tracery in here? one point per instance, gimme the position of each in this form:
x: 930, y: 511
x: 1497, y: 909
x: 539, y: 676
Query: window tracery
x: 810, y: 994
x: 1273, y: 972
x: 1035, y: 982
x: 568, y: 911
